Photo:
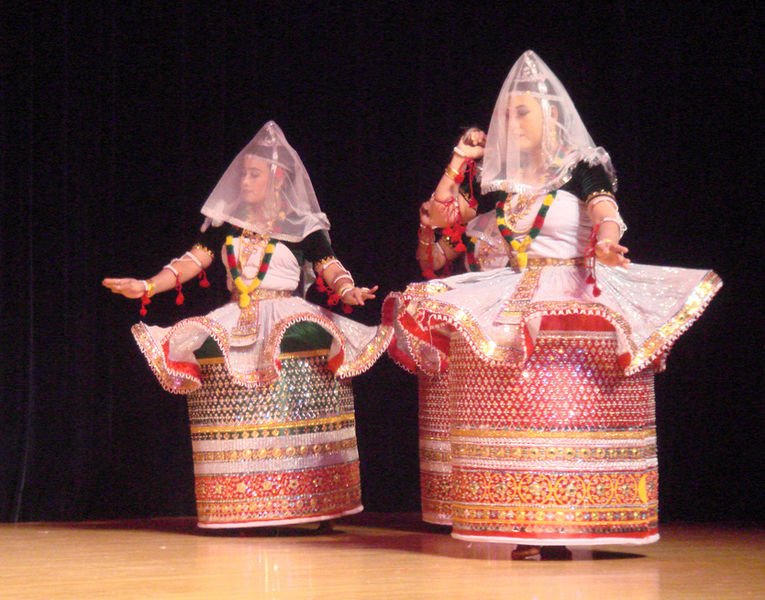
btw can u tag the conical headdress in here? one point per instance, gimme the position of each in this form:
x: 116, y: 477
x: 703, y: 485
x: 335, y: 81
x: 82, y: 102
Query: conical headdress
x: 289, y: 209
x: 565, y: 141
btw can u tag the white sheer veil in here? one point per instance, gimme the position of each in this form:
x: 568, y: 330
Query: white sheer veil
x: 289, y: 210
x: 565, y: 140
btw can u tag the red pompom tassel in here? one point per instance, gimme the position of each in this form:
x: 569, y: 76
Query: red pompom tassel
x: 347, y: 308
x: 145, y: 301
x: 179, y: 288
x: 589, y: 258
x: 203, y: 281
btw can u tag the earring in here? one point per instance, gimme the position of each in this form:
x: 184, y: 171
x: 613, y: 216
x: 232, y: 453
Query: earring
x: 549, y: 133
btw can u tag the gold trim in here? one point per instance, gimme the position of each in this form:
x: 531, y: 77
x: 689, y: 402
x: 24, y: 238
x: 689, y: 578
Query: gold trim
x: 264, y: 294
x: 211, y: 361
x: 662, y: 339
x: 278, y: 452
x: 592, y: 195
x: 492, y: 352
x: 319, y: 265
x: 649, y: 508
x: 425, y: 288
x: 556, y: 262
x: 204, y: 249
x: 217, y: 360
x: 372, y: 351
x: 178, y: 382
x: 199, y: 429
x: 598, y: 451
x: 175, y: 382
x: 582, y: 435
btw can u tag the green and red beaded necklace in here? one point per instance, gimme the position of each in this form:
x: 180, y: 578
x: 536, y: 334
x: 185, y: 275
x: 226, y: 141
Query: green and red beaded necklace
x: 244, y: 288
x: 507, y: 233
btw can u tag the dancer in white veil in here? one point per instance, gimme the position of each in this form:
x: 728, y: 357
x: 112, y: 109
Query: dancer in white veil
x: 270, y: 401
x: 536, y: 366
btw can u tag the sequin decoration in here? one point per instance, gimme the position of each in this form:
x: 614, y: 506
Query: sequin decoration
x: 435, y: 448
x: 278, y: 454
x: 560, y: 450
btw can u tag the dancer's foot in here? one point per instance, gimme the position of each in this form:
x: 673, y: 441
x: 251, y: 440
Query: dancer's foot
x: 325, y: 527
x: 524, y: 552
x: 556, y: 553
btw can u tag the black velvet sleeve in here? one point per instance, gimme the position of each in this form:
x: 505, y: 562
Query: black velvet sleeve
x: 586, y: 179
x: 312, y: 248
x: 213, y: 238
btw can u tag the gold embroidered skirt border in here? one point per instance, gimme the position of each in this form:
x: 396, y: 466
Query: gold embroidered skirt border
x: 435, y: 448
x: 561, y: 451
x: 275, y: 455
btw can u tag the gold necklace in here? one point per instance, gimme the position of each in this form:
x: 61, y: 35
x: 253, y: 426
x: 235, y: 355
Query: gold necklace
x: 250, y: 244
x: 516, y: 212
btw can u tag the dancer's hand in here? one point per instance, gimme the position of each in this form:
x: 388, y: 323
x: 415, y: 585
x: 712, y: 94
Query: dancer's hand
x: 128, y: 287
x: 358, y: 295
x: 611, y: 254
x: 472, y: 143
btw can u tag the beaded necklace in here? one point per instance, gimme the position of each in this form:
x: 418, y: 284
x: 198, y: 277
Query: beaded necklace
x: 507, y: 233
x: 470, y: 257
x: 236, y: 268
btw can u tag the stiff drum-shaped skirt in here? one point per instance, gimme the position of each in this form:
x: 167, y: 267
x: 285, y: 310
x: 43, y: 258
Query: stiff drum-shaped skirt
x: 560, y: 450
x: 274, y: 455
x: 435, y: 448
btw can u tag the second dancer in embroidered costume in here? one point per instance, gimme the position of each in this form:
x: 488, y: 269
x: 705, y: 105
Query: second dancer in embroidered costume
x: 536, y: 366
x: 267, y: 375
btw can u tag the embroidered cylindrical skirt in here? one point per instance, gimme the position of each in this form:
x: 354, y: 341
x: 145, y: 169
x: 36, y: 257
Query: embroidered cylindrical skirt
x: 435, y: 448
x: 276, y: 455
x: 561, y: 450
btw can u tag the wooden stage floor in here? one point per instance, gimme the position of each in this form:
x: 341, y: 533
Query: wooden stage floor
x: 366, y: 556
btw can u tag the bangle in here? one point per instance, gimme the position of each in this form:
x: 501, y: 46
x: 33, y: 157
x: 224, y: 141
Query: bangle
x: 193, y: 259
x: 425, y: 243
x: 453, y: 174
x: 459, y: 152
x: 343, y: 291
x: 322, y: 264
x: 148, y: 287
x: 618, y: 222
x: 172, y: 269
x: 599, y: 196
x: 341, y: 277
x: 604, y: 241
x: 205, y: 249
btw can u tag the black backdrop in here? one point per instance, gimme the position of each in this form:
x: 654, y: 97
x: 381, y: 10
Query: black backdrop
x: 118, y: 118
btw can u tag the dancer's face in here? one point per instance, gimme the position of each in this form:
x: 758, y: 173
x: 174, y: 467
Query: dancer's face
x: 524, y: 122
x: 255, y: 179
